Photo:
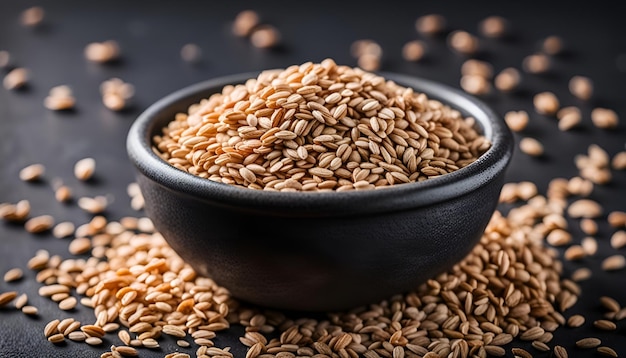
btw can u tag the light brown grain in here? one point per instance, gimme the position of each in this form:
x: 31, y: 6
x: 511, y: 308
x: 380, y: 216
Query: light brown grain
x: 102, y: 52
x: 39, y: 224
x: 607, y: 352
x: 244, y: 22
x: 581, y: 87
x: 560, y: 352
x: 618, y: 239
x: 413, y: 50
x: 589, y: 342
x: 537, y: 63
x: 614, y: 262
x: 604, y: 118
x: 32, y: 172
x: 13, y: 274
x: 16, y: 78
x: 463, y: 42
x: 493, y: 26
x: 531, y: 146
x: 508, y: 79
x: 430, y: 24
x: 605, y: 325
x: 546, y: 103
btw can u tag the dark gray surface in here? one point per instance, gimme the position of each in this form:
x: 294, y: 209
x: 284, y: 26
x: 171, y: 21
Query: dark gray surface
x: 151, y: 34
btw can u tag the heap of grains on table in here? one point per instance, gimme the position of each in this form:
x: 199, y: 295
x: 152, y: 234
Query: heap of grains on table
x: 319, y: 126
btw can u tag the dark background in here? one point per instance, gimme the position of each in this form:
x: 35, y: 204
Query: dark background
x: 151, y: 34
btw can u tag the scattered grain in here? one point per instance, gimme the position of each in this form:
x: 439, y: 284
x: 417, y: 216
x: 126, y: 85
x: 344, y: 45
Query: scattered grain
x: 508, y: 79
x: 245, y: 21
x: 576, y: 321
x: 39, y: 224
x: 77, y: 336
x: 33, y: 16
x: 581, y: 274
x: 431, y: 24
x: 127, y: 351
x: 16, y: 78
x: 537, y: 63
x: 475, y: 84
x: 546, y: 103
x: 30, y: 310
x: 589, y: 342
x: 552, y: 45
x: 569, y: 117
x: 614, y: 262
x: 32, y: 172
x: 493, y: 26
x: 516, y: 120
x: 63, y: 230
x: 56, y: 338
x: 588, y: 226
x: 93, y: 341
x: 21, y: 301
x: 6, y: 297
x: 607, y: 351
x: 605, y: 325
x: 618, y: 239
x: 68, y: 304
x: 560, y: 352
x: 265, y: 36
x: 369, y: 62
x: 13, y: 274
x: 79, y: 246
x: 463, y: 42
x: 84, y: 168
x: 5, y: 59
x: 63, y: 194
x: 191, y: 53
x: 95, y: 205
x: 540, y: 346
x: 476, y: 67
x: 102, y: 52
x: 619, y: 161
x: 581, y: 87
x: 584, y: 208
x: 574, y: 253
x: 531, y: 146
x: 520, y: 353
x: 60, y: 98
x: 413, y: 50
x: 589, y: 245
x: 604, y: 118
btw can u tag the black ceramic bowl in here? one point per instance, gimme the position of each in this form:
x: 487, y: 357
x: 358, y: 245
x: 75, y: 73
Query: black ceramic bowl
x: 320, y: 251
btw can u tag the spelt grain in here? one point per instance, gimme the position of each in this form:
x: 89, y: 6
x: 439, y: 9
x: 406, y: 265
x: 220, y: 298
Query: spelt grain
x: 30, y: 310
x: 614, y: 262
x: 39, y: 224
x: 13, y: 274
x: 32, y: 172
x: 589, y: 342
x: 430, y: 24
x: 607, y: 351
x: 531, y: 146
x: 604, y: 118
x: 493, y: 26
x: 16, y: 78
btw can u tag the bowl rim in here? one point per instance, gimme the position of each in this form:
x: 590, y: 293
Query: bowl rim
x: 485, y: 169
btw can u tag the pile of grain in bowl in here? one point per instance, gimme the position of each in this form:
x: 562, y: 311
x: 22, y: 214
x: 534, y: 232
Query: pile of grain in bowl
x: 319, y: 127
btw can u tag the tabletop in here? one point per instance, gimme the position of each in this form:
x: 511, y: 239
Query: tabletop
x: 149, y: 38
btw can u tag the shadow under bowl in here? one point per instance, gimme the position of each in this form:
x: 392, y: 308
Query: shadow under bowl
x: 320, y: 251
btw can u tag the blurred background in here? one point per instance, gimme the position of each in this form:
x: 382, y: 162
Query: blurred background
x: 157, y: 47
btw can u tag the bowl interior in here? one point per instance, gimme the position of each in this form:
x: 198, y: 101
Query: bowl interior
x: 394, y: 197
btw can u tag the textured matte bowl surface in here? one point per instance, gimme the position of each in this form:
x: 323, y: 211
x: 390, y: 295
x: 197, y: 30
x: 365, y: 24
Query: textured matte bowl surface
x: 320, y: 251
